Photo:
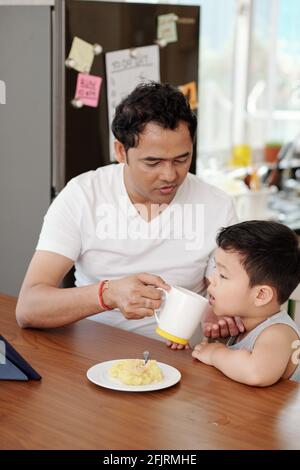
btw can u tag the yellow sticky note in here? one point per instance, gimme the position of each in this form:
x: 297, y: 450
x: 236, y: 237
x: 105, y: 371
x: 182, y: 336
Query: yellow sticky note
x: 167, y: 27
x: 190, y: 91
x: 81, y: 55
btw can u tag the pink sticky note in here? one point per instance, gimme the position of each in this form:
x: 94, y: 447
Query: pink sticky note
x: 88, y: 89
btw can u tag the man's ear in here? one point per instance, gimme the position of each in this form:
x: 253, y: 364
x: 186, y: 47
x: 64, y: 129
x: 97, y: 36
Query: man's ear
x: 120, y: 152
x: 263, y: 295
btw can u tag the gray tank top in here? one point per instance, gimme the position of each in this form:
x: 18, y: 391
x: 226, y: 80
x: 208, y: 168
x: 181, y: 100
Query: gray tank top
x: 248, y: 341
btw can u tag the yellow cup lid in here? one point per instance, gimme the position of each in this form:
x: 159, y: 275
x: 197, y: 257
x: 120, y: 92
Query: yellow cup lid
x: 174, y: 339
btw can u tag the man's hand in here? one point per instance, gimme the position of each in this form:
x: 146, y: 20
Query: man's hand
x: 204, y: 351
x: 136, y: 296
x: 173, y: 345
x: 221, y: 327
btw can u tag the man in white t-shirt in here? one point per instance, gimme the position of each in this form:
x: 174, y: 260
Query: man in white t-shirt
x: 141, y: 224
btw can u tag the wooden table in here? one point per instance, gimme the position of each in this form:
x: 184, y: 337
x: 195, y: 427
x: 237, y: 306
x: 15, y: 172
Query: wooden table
x: 64, y: 410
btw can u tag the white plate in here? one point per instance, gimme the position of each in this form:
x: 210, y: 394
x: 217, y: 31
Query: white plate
x: 98, y: 374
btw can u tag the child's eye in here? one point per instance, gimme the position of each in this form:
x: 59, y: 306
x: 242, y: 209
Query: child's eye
x: 222, y: 277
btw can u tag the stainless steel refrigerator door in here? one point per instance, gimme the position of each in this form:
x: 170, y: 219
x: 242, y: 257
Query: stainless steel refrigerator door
x: 25, y: 136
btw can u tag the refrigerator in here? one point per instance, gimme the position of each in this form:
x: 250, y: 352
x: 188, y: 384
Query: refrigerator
x: 26, y: 154
x: 45, y: 140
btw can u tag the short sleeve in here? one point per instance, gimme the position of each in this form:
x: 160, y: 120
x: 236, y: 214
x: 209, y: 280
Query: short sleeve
x: 232, y: 217
x: 61, y: 228
x: 229, y: 219
x: 210, y: 266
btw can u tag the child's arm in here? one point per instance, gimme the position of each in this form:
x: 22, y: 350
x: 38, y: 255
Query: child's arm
x: 263, y: 367
x: 214, y: 327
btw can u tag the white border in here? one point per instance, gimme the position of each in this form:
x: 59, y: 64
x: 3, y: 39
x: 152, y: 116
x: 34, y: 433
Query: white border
x: 27, y: 2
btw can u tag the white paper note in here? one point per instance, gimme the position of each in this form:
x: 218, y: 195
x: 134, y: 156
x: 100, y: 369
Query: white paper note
x: 167, y: 27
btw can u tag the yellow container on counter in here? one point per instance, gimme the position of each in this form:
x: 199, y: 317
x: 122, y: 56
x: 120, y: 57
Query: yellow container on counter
x: 241, y: 155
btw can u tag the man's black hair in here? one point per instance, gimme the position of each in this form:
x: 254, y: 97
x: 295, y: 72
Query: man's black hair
x: 162, y: 104
x: 269, y: 254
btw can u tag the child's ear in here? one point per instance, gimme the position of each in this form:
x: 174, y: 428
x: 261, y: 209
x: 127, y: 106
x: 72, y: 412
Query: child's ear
x: 120, y: 152
x: 263, y: 295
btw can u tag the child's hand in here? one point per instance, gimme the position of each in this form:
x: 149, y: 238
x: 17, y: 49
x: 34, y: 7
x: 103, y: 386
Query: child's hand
x: 221, y: 327
x: 172, y: 345
x: 204, y: 351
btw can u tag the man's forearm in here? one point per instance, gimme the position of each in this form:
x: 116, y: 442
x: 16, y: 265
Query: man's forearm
x: 44, y: 306
x: 236, y: 364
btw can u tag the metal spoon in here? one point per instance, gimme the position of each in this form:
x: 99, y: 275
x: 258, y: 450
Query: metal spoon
x: 146, y: 356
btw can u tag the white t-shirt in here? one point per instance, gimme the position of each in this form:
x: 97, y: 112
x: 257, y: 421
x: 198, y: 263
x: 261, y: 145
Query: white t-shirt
x: 93, y: 222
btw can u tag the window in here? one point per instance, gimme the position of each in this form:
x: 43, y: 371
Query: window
x: 273, y: 106
x: 215, y: 79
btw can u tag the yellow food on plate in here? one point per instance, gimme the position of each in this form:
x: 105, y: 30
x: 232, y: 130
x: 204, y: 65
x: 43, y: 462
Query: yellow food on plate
x: 136, y: 372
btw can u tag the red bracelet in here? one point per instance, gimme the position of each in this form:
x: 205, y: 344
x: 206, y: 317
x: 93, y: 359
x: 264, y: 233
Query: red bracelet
x: 100, y: 295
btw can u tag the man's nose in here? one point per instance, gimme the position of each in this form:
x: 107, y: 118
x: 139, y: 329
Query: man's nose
x: 169, y: 173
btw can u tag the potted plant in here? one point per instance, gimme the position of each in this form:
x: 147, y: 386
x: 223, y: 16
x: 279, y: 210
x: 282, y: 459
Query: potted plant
x: 271, y: 151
